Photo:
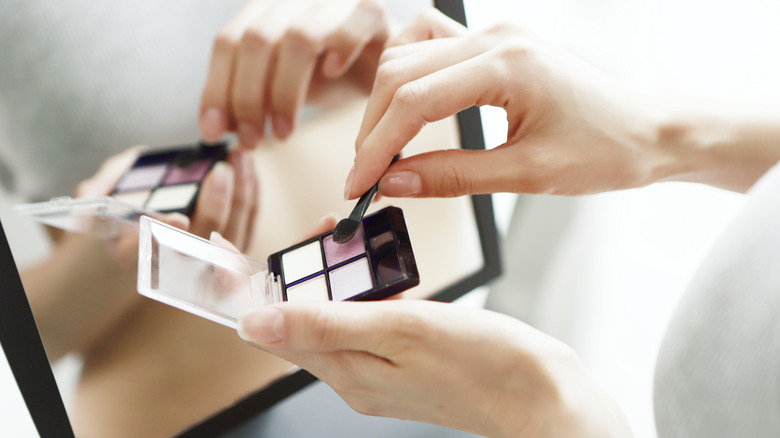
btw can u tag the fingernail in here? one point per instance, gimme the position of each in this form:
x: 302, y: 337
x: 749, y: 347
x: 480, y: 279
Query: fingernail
x: 211, y: 124
x: 348, y: 185
x: 404, y: 184
x: 332, y: 64
x: 263, y: 326
x: 282, y: 126
x: 248, y: 135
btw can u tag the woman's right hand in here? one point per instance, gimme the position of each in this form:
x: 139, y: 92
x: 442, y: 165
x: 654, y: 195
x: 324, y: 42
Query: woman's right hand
x: 572, y: 130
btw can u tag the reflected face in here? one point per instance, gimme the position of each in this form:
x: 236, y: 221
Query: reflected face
x: 376, y: 263
x: 168, y: 181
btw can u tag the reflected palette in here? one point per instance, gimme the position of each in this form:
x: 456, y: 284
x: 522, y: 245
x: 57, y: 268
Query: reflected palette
x: 168, y: 180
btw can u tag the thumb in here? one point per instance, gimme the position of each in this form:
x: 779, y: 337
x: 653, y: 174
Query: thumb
x: 313, y: 327
x: 448, y: 173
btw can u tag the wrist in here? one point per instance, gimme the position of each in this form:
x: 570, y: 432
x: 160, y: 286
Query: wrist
x: 720, y: 145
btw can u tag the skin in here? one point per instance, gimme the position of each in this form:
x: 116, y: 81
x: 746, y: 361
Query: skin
x: 137, y: 374
x: 572, y: 130
x: 273, y: 57
x: 163, y: 369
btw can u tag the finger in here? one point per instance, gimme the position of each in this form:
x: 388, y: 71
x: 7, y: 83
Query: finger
x: 429, y: 24
x: 417, y: 103
x: 214, y: 201
x: 299, y: 50
x: 404, y: 64
x: 108, y: 175
x: 242, y: 202
x: 452, y: 173
x: 334, y: 326
x: 367, y: 22
x: 255, y: 59
x: 215, y: 104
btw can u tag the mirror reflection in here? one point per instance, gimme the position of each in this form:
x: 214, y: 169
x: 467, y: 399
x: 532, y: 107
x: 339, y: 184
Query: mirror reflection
x: 82, y: 84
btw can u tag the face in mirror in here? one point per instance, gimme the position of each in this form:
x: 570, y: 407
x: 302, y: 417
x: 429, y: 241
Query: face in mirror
x: 119, y: 76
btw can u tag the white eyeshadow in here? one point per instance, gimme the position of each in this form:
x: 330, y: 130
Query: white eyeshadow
x: 350, y: 280
x: 172, y: 197
x: 301, y: 262
x: 142, y: 178
x: 310, y: 290
x: 136, y: 199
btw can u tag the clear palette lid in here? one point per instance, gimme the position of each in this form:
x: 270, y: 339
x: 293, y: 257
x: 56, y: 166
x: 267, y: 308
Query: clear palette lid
x: 198, y: 276
x: 104, y: 217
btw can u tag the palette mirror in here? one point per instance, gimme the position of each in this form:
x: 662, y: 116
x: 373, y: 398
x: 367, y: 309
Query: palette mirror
x: 195, y: 377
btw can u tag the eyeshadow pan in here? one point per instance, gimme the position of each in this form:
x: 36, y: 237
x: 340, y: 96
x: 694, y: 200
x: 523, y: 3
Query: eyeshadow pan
x: 172, y: 197
x: 301, y: 262
x: 336, y: 253
x: 136, y: 199
x: 350, y: 279
x: 142, y: 178
x: 313, y: 289
x: 192, y: 173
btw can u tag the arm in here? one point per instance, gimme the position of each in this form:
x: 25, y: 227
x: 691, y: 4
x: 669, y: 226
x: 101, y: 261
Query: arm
x: 85, y: 287
x: 572, y: 129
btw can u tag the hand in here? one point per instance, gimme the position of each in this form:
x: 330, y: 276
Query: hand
x: 463, y: 368
x: 572, y: 130
x: 273, y: 55
x: 227, y: 202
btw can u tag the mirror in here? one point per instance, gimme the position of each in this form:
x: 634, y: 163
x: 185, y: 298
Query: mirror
x: 153, y: 370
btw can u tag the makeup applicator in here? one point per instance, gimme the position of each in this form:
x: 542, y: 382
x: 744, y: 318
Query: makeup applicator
x: 346, y: 228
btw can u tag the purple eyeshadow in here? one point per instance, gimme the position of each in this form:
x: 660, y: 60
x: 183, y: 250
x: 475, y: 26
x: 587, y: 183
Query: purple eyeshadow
x: 192, y: 173
x: 350, y: 280
x: 142, y: 178
x: 336, y: 253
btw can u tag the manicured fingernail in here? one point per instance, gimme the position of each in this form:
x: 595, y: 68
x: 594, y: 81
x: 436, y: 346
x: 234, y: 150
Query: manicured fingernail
x: 348, y: 185
x: 211, y: 124
x: 332, y: 65
x: 248, y: 135
x: 282, y: 126
x: 403, y: 184
x: 262, y: 326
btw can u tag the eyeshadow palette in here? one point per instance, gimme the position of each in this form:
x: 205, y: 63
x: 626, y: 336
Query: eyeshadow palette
x: 220, y: 284
x: 376, y: 263
x: 159, y: 181
x: 168, y: 181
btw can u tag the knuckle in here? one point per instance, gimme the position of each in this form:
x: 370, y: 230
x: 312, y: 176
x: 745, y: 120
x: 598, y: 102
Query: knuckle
x: 255, y: 38
x: 327, y: 331
x: 301, y: 38
x: 374, y: 7
x: 411, y: 93
x: 225, y: 42
x: 388, y: 74
x: 389, y: 54
x: 504, y: 28
x: 453, y: 181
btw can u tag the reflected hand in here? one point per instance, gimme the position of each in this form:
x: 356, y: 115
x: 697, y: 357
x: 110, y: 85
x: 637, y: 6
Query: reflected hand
x: 572, y: 130
x: 274, y: 56
x: 227, y: 202
x: 464, y: 368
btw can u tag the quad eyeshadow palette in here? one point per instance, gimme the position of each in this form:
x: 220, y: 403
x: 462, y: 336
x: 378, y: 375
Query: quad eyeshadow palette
x: 164, y: 180
x: 168, y: 181
x: 220, y: 284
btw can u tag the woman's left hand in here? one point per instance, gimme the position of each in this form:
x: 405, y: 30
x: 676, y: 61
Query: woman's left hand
x: 458, y: 367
